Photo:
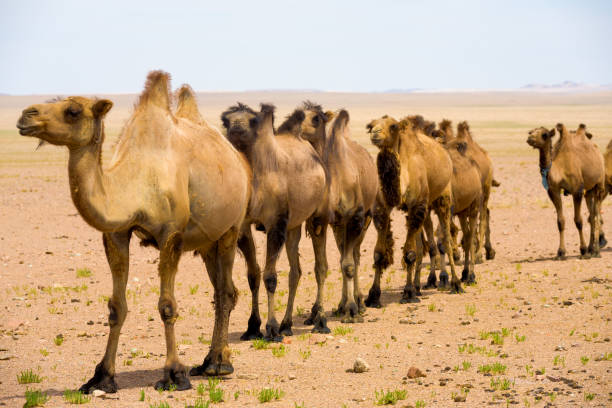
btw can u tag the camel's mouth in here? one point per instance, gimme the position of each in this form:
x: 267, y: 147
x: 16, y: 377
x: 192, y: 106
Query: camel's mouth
x: 28, y: 130
x: 376, y: 140
x: 531, y: 143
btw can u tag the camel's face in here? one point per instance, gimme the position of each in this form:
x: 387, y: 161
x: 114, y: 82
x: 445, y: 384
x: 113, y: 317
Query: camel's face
x: 237, y: 123
x: 538, y: 137
x: 68, y: 122
x: 383, y: 131
x: 314, y: 122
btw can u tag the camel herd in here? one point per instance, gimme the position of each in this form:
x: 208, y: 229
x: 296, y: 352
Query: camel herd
x: 179, y: 185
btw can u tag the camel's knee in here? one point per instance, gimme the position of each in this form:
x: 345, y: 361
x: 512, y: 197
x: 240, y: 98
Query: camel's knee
x: 278, y: 234
x: 409, y: 257
x: 560, y: 224
x: 578, y: 223
x: 270, y: 282
x: 116, y: 314
x: 253, y: 278
x: 417, y: 216
x: 348, y: 269
x: 167, y: 310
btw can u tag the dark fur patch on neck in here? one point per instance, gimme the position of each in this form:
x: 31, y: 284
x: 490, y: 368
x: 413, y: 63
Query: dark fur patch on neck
x: 293, y: 123
x: 388, y: 166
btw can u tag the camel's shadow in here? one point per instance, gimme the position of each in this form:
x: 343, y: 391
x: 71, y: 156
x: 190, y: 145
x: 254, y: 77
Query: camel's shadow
x: 553, y: 257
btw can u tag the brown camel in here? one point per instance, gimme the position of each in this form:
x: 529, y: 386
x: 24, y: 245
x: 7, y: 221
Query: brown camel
x: 415, y: 175
x: 574, y: 165
x: 289, y: 183
x: 485, y: 166
x: 608, y: 163
x: 168, y: 182
x: 352, y: 191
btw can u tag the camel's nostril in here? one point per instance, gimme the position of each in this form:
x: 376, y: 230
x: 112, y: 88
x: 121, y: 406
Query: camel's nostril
x: 30, y: 112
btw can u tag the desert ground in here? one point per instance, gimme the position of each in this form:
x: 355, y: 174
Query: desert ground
x: 532, y: 332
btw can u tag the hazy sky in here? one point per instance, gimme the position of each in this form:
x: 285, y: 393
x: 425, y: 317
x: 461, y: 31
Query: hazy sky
x: 71, y: 47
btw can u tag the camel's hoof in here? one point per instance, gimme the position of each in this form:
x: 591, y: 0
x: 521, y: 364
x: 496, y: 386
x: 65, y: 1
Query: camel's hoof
x: 352, y: 319
x: 471, y: 279
x: 316, y: 308
x: 409, y: 296
x: 585, y: 256
x: 456, y: 288
x: 285, y: 328
x: 253, y: 331
x: 211, y: 369
x: 173, y: 380
x: 417, y: 290
x: 100, y: 381
x: 273, y: 333
x: 431, y: 281
x: 560, y: 255
x: 373, y: 299
x: 465, y: 275
x: 340, y: 311
x: 490, y: 253
x: 478, y: 259
x: 361, y: 305
x: 320, y: 324
x: 443, y: 283
x: 602, y: 241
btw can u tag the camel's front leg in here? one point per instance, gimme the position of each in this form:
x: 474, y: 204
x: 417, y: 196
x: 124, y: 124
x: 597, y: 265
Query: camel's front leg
x: 295, y: 272
x: 175, y: 373
x: 555, y: 197
x: 357, y: 258
x: 219, y: 262
x: 584, y: 254
x: 383, y: 251
x: 434, y: 253
x: 443, y: 210
x: 276, y: 237
x: 594, y: 205
x: 414, y: 223
x: 247, y: 246
x: 317, y: 228
x: 117, y: 248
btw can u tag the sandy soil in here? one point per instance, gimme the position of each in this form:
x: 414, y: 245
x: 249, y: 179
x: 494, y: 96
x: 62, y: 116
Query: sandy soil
x: 555, y: 315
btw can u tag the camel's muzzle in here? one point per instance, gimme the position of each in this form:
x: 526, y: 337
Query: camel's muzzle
x: 26, y: 125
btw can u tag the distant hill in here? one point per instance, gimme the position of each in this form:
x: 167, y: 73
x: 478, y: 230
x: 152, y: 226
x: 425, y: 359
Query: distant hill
x: 566, y: 86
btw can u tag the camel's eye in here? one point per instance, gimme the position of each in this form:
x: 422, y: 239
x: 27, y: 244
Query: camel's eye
x: 369, y: 127
x: 73, y: 112
x: 315, y: 121
x: 225, y: 122
x: 253, y: 122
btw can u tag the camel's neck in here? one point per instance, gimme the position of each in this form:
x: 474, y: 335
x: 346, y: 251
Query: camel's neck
x: 318, y: 141
x: 263, y: 155
x: 90, y: 190
x: 546, y: 155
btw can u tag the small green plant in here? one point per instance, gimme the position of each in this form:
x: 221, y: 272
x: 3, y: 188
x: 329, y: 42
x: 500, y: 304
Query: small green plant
x: 279, y: 351
x: 419, y: 404
x: 194, y: 289
x: 142, y: 395
x: 76, y: 397
x: 497, y: 338
x: 519, y: 339
x: 305, y: 354
x: 572, y: 332
x: 558, y: 360
x: 201, y: 389
x: 35, y: 398
x: 495, y: 368
x: 58, y: 340
x: 501, y: 384
x: 389, y: 397
x: 215, y: 393
x: 431, y: 307
x: 269, y: 394
x: 28, y: 377
x: 505, y: 332
x: 466, y: 365
x: 163, y: 404
x: 200, y: 403
x: 470, y: 310
x: 83, y: 273
x: 588, y: 396
x: 260, y: 344
x: 44, y: 352
x: 584, y: 360
x: 342, y: 330
x: 552, y: 396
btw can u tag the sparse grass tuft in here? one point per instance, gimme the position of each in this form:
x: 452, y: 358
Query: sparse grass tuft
x: 142, y: 395
x: 200, y: 403
x: 58, y: 340
x: 270, y: 394
x: 76, y: 397
x: 470, y: 310
x: 584, y: 360
x: 389, y: 397
x: 260, y: 344
x: 83, y: 273
x: 28, y: 377
x: 519, y: 339
x: 162, y: 404
x: 342, y: 330
x: 495, y: 368
x: 214, y: 392
x: 35, y: 398
x: 279, y: 351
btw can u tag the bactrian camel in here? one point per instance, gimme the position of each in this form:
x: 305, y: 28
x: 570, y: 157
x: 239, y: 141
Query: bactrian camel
x: 174, y: 182
x: 415, y: 175
x: 289, y: 185
x: 573, y: 166
x: 352, y: 190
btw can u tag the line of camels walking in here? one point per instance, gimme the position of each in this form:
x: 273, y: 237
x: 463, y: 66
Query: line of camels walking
x: 179, y: 185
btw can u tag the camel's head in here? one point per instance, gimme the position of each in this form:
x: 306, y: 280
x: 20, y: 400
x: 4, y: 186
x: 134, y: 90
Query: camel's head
x: 446, y: 130
x: 339, y: 125
x: 463, y: 130
x: 383, y: 131
x: 313, y: 127
x: 582, y: 130
x: 237, y: 123
x: 539, y: 137
x: 72, y: 122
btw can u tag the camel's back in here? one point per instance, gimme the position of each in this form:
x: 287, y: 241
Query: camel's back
x: 608, y: 164
x: 466, y: 180
x: 578, y: 160
x: 368, y: 179
x: 437, y: 164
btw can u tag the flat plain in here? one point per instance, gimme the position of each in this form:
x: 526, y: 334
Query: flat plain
x: 532, y: 332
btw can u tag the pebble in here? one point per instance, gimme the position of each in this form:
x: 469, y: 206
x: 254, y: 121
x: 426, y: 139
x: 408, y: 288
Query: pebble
x: 405, y: 320
x: 360, y: 365
x: 243, y: 376
x: 98, y: 393
x: 292, y: 376
x: 414, y: 372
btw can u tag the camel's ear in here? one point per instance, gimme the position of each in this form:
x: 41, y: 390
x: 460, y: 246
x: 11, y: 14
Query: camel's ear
x: 549, y: 135
x: 589, y: 135
x: 329, y: 115
x: 265, y: 119
x: 370, y: 126
x: 559, y: 127
x: 461, y: 147
x: 394, y: 127
x: 101, y: 107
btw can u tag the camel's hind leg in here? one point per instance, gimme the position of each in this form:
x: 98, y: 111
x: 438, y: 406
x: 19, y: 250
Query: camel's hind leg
x: 469, y: 224
x: 481, y: 231
x: 357, y: 257
x: 383, y: 251
x: 414, y: 223
x: 555, y: 197
x: 434, y: 253
x: 442, y: 206
x: 276, y: 235
x: 594, y: 206
x: 317, y: 229
x: 578, y: 221
x: 295, y: 272
x: 175, y: 373
x: 219, y: 261
x: 117, y: 248
x: 420, y: 248
x: 247, y: 247
x: 489, y: 250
